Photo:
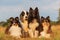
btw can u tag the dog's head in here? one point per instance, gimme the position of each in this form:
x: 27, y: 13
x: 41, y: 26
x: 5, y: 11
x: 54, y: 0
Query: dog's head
x: 14, y: 21
x: 45, y: 21
x: 24, y: 16
x: 34, y: 14
x: 11, y: 19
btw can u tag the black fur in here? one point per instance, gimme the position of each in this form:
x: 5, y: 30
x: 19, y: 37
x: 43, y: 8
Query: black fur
x: 34, y: 14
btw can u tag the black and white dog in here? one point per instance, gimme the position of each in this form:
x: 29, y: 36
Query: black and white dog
x: 34, y: 22
x: 46, y: 27
x: 24, y: 23
x: 14, y: 28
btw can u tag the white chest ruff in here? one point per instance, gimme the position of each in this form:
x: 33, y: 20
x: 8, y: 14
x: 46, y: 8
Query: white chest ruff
x: 45, y: 28
x: 25, y: 26
x: 44, y: 33
x: 33, y: 26
x: 15, y: 31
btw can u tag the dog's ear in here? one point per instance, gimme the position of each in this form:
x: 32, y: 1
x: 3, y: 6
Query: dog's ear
x: 30, y: 10
x: 21, y: 16
x: 27, y: 12
x: 17, y: 18
x: 11, y: 19
x: 42, y: 18
x: 48, y: 17
x: 36, y: 9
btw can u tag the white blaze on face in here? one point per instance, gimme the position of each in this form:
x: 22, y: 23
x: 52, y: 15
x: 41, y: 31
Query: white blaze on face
x: 25, y: 26
x: 25, y: 15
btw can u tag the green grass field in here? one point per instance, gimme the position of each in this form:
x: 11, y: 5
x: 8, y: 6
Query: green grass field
x: 55, y: 29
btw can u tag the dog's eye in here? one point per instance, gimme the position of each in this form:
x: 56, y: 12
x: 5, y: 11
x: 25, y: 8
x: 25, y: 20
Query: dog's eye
x: 46, y: 20
x: 27, y: 13
x: 23, y: 14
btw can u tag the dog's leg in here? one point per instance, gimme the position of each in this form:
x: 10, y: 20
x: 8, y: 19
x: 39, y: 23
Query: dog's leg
x: 31, y: 33
x: 36, y: 34
x: 47, y: 36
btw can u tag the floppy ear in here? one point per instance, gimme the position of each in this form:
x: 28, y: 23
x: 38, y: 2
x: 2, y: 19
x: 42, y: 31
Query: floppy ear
x: 11, y: 19
x: 17, y: 18
x: 21, y: 17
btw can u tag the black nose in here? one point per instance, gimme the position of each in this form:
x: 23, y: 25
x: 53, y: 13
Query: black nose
x: 26, y: 17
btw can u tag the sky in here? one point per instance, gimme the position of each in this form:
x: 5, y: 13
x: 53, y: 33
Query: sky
x: 13, y: 8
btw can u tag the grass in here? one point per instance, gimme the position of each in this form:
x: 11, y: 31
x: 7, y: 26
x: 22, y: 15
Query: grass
x: 55, y: 29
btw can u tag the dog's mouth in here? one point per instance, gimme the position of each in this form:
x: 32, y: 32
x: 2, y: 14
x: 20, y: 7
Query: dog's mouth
x: 26, y: 19
x: 15, y: 24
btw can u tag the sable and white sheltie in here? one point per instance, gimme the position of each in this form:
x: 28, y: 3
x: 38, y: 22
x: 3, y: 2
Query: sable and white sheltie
x: 46, y: 27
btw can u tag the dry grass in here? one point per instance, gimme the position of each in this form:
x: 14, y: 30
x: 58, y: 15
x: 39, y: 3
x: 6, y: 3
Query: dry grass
x: 55, y: 29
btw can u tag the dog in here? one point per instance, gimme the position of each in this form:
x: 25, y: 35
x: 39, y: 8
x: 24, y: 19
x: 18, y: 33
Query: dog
x: 46, y: 27
x: 24, y: 23
x: 14, y: 29
x: 34, y: 22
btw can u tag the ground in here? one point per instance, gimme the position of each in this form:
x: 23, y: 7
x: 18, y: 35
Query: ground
x: 55, y: 29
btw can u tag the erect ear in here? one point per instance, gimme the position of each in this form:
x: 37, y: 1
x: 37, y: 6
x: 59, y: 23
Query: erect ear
x: 36, y: 8
x: 36, y: 11
x: 48, y: 17
x: 30, y: 10
x: 42, y: 18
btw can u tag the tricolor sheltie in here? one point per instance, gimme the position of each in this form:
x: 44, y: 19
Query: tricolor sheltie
x: 24, y: 23
x: 34, y: 22
x: 14, y: 29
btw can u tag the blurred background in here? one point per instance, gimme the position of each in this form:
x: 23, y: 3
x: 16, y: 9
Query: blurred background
x: 13, y: 8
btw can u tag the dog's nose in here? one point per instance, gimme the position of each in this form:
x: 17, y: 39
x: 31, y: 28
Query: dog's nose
x: 26, y: 17
x: 14, y: 23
